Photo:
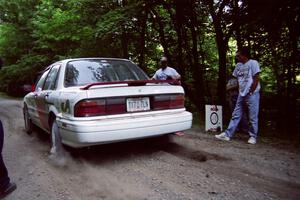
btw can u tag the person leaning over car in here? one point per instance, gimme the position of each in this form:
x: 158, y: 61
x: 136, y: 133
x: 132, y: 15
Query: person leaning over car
x: 165, y: 72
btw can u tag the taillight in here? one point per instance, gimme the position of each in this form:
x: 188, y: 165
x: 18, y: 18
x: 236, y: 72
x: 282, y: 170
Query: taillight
x: 97, y: 107
x: 88, y: 108
x: 171, y: 101
x: 115, y: 105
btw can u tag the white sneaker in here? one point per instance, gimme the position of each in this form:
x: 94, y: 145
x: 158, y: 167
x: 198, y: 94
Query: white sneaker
x: 222, y: 136
x: 252, y: 140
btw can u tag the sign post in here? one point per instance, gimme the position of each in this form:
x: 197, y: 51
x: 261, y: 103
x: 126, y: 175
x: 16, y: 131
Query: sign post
x: 213, y: 118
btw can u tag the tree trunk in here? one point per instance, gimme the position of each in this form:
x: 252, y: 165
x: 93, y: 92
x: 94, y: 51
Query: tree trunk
x: 124, y: 44
x: 196, y: 67
x: 124, y: 36
x: 222, y: 44
x: 237, y: 24
x: 179, y: 5
x: 162, y: 37
x: 291, y: 76
x: 222, y: 50
x: 142, y: 48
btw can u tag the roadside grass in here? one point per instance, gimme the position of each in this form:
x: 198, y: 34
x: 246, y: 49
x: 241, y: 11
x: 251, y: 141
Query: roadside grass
x: 268, y: 133
x: 6, y: 96
x: 3, y: 94
x: 198, y: 121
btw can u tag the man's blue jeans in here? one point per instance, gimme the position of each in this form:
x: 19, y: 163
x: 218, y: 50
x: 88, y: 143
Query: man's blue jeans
x: 244, y: 123
x: 4, y: 179
x: 252, y: 102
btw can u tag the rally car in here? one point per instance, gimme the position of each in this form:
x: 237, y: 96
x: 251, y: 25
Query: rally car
x: 91, y: 101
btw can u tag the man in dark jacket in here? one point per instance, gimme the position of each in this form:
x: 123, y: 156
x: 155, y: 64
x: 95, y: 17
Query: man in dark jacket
x: 6, y: 187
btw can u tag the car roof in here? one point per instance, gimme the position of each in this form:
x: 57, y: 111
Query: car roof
x: 73, y: 59
x: 98, y: 58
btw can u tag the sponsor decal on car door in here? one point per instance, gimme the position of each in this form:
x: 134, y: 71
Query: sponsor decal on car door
x: 43, y: 108
x: 42, y: 97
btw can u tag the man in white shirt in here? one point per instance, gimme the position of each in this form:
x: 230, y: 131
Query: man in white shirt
x: 165, y: 72
x: 247, y: 73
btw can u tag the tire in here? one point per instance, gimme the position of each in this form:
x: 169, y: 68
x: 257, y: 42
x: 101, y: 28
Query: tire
x: 56, y: 144
x: 27, y: 121
x: 57, y: 151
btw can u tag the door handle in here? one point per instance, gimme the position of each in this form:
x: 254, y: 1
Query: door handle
x: 47, y: 95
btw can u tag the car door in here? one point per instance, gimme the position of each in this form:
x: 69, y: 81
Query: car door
x: 32, y: 99
x: 43, y: 96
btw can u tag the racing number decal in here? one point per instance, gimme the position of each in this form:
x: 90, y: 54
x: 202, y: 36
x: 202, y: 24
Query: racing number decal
x: 65, y: 107
x: 42, y: 110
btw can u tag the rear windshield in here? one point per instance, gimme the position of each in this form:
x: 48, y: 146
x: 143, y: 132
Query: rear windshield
x: 82, y: 72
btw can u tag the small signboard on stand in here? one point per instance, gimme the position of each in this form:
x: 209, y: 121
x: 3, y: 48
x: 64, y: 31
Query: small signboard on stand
x: 213, y: 118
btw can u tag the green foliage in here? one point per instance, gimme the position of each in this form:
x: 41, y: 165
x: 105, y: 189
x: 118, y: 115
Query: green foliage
x: 23, y: 72
x: 57, y: 30
x: 35, y: 33
x: 15, y: 29
x: 111, y: 23
x: 10, y: 42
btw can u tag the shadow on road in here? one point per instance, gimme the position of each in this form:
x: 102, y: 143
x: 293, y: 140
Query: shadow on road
x: 133, y: 149
x: 140, y: 148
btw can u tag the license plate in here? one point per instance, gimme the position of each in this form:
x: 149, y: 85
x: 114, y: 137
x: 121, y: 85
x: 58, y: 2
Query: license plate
x: 138, y: 104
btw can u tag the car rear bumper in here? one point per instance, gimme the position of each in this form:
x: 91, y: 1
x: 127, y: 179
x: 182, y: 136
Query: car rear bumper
x: 77, y: 133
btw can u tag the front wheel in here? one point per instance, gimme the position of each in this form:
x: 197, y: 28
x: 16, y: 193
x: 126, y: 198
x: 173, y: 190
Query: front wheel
x: 27, y: 121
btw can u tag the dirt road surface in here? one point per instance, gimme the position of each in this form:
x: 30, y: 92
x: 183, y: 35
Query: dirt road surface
x: 194, y: 166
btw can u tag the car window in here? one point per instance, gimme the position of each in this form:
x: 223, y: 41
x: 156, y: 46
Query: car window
x: 51, y: 80
x: 41, y: 81
x: 82, y: 72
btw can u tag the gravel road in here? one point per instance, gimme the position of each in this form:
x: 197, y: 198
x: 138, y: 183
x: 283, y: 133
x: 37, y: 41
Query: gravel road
x: 193, y: 166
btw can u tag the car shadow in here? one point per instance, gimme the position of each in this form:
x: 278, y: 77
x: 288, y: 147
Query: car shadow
x: 133, y: 149
x: 139, y: 149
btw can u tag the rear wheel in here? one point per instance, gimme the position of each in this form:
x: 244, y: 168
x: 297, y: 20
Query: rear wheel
x: 57, y: 152
x: 56, y: 145
x: 27, y: 121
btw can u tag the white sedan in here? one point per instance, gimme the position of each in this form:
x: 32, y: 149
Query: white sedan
x: 91, y: 101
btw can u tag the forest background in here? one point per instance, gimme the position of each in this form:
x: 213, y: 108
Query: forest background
x: 199, y: 37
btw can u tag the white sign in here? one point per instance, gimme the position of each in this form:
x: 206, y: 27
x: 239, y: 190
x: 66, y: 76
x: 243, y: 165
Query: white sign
x: 213, y: 118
